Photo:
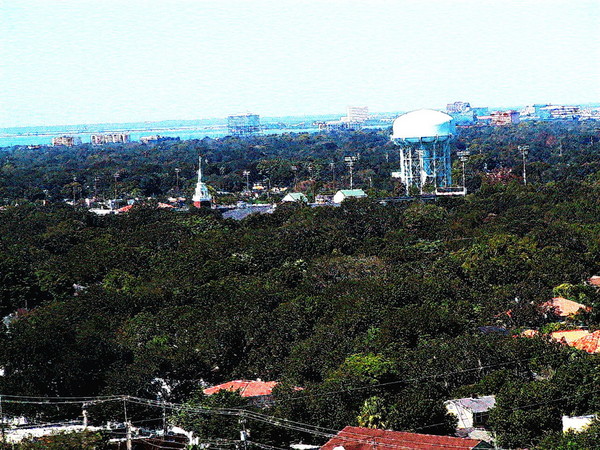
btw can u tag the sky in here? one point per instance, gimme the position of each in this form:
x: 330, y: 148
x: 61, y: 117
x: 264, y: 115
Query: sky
x: 72, y: 62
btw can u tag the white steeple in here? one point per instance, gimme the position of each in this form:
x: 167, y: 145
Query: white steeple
x: 201, y: 195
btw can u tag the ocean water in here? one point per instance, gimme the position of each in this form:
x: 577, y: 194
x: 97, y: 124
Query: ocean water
x: 184, y: 129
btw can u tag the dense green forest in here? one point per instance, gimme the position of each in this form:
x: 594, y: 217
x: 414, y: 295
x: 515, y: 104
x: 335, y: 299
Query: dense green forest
x: 558, y: 151
x: 373, y: 309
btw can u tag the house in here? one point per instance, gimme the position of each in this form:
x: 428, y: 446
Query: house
x: 258, y: 391
x: 295, y: 197
x: 342, y: 195
x: 529, y: 333
x: 471, y: 412
x: 577, y: 423
x: 563, y: 307
x: 568, y: 337
x: 594, y: 281
x: 358, y: 438
x: 323, y: 199
x: 589, y: 343
x: 492, y: 329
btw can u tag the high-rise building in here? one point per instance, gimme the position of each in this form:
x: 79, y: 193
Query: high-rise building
x: 358, y: 114
x: 243, y: 124
x: 110, y: 138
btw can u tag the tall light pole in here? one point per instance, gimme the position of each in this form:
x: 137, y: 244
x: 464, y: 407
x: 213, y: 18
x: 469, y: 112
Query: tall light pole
x: 524, y: 149
x: 350, y: 160
x: 74, y: 186
x: 332, y: 166
x: 295, y: 170
x: 247, y: 175
x: 116, y: 175
x: 463, y: 155
x: 177, y: 170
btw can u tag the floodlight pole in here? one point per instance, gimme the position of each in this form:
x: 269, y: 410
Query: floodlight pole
x: 332, y: 165
x: 524, y: 151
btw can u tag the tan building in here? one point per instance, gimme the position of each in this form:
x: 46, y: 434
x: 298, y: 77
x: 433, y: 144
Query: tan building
x: 67, y: 141
x: 500, y: 118
x: 110, y: 138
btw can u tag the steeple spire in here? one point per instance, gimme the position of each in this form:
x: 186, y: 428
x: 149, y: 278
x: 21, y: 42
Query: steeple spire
x: 201, y: 196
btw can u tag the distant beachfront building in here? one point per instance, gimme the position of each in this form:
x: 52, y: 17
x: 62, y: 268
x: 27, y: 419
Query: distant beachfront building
x: 552, y: 112
x: 67, y: 141
x: 462, y: 113
x: 458, y: 107
x: 354, y: 119
x: 243, y: 124
x: 110, y: 138
x: 560, y: 112
x: 358, y: 114
x: 501, y: 118
x: 155, y: 139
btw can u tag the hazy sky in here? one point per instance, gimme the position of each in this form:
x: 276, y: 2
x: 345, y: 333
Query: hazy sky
x: 66, y: 62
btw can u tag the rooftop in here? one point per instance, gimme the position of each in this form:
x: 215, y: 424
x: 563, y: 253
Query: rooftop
x: 568, y: 336
x: 352, y: 192
x: 357, y: 438
x: 589, y: 343
x: 564, y: 307
x: 481, y: 404
x: 254, y: 388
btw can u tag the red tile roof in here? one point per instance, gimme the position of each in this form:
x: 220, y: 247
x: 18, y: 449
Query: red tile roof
x: 569, y: 337
x: 124, y: 209
x: 595, y: 281
x: 530, y: 333
x: 246, y: 388
x: 589, y: 343
x: 357, y: 438
x: 563, y: 307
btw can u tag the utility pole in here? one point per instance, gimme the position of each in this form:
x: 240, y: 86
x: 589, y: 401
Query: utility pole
x: 2, y: 419
x: 127, y: 426
x: 244, y: 433
x: 524, y: 149
x: 177, y: 170
x: 85, y: 415
x: 164, y: 405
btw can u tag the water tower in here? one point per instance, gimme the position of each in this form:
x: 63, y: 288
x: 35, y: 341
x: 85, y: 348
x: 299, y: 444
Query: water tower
x: 424, y: 139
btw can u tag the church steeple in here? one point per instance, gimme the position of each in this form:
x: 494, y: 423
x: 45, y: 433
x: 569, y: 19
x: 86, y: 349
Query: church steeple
x: 201, y: 196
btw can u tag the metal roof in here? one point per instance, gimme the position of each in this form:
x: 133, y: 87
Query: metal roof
x: 476, y: 405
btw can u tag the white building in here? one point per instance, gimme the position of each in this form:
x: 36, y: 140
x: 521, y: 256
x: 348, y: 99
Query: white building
x: 342, y: 195
x: 357, y: 114
x: 471, y: 412
x: 577, y: 423
x: 295, y: 197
